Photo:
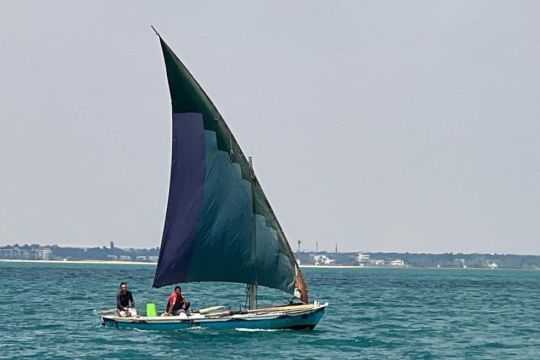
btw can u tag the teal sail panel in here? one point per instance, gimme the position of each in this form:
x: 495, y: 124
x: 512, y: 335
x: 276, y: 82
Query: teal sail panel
x: 219, y: 224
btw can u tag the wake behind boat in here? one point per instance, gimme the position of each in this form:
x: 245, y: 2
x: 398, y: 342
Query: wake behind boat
x: 219, y: 225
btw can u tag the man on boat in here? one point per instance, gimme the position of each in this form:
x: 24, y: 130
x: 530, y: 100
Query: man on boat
x: 177, y: 303
x: 125, y: 305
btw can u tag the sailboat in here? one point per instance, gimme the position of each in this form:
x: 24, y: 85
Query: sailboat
x: 219, y: 225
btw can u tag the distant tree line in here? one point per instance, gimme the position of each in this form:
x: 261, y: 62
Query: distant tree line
x: 101, y: 253
x: 420, y: 260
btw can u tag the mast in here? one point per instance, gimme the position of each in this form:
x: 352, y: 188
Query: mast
x: 252, y: 288
x: 252, y: 296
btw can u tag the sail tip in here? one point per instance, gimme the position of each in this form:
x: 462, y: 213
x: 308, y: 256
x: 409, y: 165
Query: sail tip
x: 153, y: 28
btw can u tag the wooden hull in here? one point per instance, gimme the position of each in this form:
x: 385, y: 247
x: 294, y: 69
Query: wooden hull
x: 303, y: 318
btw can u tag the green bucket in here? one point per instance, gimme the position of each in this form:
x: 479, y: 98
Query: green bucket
x: 151, y: 309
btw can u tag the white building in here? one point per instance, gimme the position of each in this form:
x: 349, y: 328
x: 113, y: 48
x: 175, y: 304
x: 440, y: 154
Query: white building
x: 397, y: 263
x: 12, y: 253
x: 323, y: 260
x: 43, y: 254
x: 363, y: 259
x: 33, y: 253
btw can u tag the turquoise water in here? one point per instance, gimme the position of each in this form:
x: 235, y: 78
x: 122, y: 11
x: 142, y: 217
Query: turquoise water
x: 47, y: 312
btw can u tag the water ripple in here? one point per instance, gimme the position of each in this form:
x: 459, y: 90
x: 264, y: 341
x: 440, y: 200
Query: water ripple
x: 373, y: 314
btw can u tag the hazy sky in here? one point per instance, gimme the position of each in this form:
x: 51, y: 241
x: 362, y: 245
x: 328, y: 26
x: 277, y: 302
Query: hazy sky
x: 377, y: 125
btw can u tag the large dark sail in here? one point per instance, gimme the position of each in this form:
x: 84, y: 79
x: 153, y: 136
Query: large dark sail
x: 219, y: 224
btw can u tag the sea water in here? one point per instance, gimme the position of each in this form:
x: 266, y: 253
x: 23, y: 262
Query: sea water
x: 47, y: 311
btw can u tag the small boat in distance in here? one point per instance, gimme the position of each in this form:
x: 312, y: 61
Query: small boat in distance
x: 219, y: 225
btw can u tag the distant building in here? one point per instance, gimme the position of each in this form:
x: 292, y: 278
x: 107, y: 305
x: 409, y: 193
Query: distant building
x: 492, y: 265
x: 35, y: 252
x: 398, y: 263
x: 10, y: 253
x: 112, y: 245
x: 43, y: 254
x: 377, y: 262
x: 462, y: 261
x: 363, y: 259
x: 323, y: 260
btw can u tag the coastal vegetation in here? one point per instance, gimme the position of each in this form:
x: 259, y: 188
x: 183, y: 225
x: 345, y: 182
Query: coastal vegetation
x: 378, y: 259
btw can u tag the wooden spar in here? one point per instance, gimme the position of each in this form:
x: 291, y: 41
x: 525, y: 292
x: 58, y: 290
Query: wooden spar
x: 153, y: 28
x: 300, y: 284
x: 283, y: 308
x: 267, y: 310
x: 210, y: 309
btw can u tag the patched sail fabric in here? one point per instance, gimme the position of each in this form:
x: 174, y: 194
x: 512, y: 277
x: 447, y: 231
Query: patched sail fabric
x: 219, y: 224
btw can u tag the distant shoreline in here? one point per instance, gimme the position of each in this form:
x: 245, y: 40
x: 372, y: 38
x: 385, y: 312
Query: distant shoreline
x: 119, y: 262
x: 112, y: 262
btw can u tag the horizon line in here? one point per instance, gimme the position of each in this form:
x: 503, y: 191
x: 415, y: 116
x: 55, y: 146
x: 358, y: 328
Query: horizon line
x: 294, y: 251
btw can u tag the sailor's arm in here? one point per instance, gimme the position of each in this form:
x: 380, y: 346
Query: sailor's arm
x: 172, y: 301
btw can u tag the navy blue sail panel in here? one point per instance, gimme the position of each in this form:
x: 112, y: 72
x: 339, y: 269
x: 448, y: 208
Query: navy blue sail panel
x: 185, y: 198
x: 219, y: 225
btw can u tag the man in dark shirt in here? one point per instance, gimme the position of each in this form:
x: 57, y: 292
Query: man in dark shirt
x: 125, y: 305
x: 176, y: 303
